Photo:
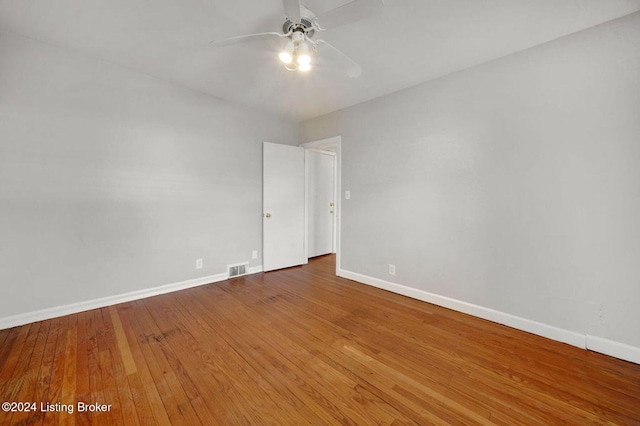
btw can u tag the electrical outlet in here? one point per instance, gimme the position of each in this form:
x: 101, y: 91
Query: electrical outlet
x: 254, y: 254
x: 392, y: 269
x: 198, y: 263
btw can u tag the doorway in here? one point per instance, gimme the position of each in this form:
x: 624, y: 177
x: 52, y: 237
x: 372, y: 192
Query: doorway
x: 320, y: 202
x: 285, y: 234
x: 317, y: 154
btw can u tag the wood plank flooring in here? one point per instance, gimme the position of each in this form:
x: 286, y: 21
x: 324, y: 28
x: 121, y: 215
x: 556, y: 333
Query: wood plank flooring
x: 301, y: 346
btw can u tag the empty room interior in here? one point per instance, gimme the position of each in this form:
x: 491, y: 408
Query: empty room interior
x: 320, y: 212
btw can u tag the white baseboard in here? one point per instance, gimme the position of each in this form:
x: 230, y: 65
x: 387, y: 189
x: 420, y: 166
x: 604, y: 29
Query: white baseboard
x: 612, y: 348
x: 74, y: 308
x: 254, y: 269
x: 597, y: 344
x: 585, y: 341
x: 534, y: 327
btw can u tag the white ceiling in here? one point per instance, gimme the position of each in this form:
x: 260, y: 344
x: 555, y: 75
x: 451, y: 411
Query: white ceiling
x: 412, y: 41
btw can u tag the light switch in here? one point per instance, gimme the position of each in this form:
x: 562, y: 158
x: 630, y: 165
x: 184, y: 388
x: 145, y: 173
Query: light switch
x: 347, y: 195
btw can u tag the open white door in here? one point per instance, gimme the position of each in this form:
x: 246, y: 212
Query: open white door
x: 320, y: 202
x: 283, y: 206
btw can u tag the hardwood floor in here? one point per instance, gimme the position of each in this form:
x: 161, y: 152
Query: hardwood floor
x: 301, y: 346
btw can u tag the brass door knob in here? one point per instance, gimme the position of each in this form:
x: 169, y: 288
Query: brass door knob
x: 267, y: 215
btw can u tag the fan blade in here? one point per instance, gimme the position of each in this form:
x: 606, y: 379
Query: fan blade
x: 244, y: 38
x: 350, y: 12
x: 348, y: 65
x: 292, y: 10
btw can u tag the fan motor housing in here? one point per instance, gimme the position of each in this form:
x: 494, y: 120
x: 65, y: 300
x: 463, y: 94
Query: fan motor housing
x: 305, y: 24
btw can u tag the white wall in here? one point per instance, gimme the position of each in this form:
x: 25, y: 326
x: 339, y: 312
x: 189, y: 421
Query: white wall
x: 512, y: 186
x: 112, y: 181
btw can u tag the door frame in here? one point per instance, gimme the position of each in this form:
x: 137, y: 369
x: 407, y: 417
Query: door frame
x: 332, y: 144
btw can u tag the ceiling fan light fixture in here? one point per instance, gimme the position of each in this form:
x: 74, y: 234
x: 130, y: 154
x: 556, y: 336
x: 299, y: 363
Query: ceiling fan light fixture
x: 299, y: 28
x: 286, y: 56
x: 297, y: 37
x: 305, y: 67
x: 291, y: 66
x: 303, y: 54
x: 304, y: 60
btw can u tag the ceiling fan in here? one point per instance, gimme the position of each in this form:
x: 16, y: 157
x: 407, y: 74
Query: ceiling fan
x: 299, y: 27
